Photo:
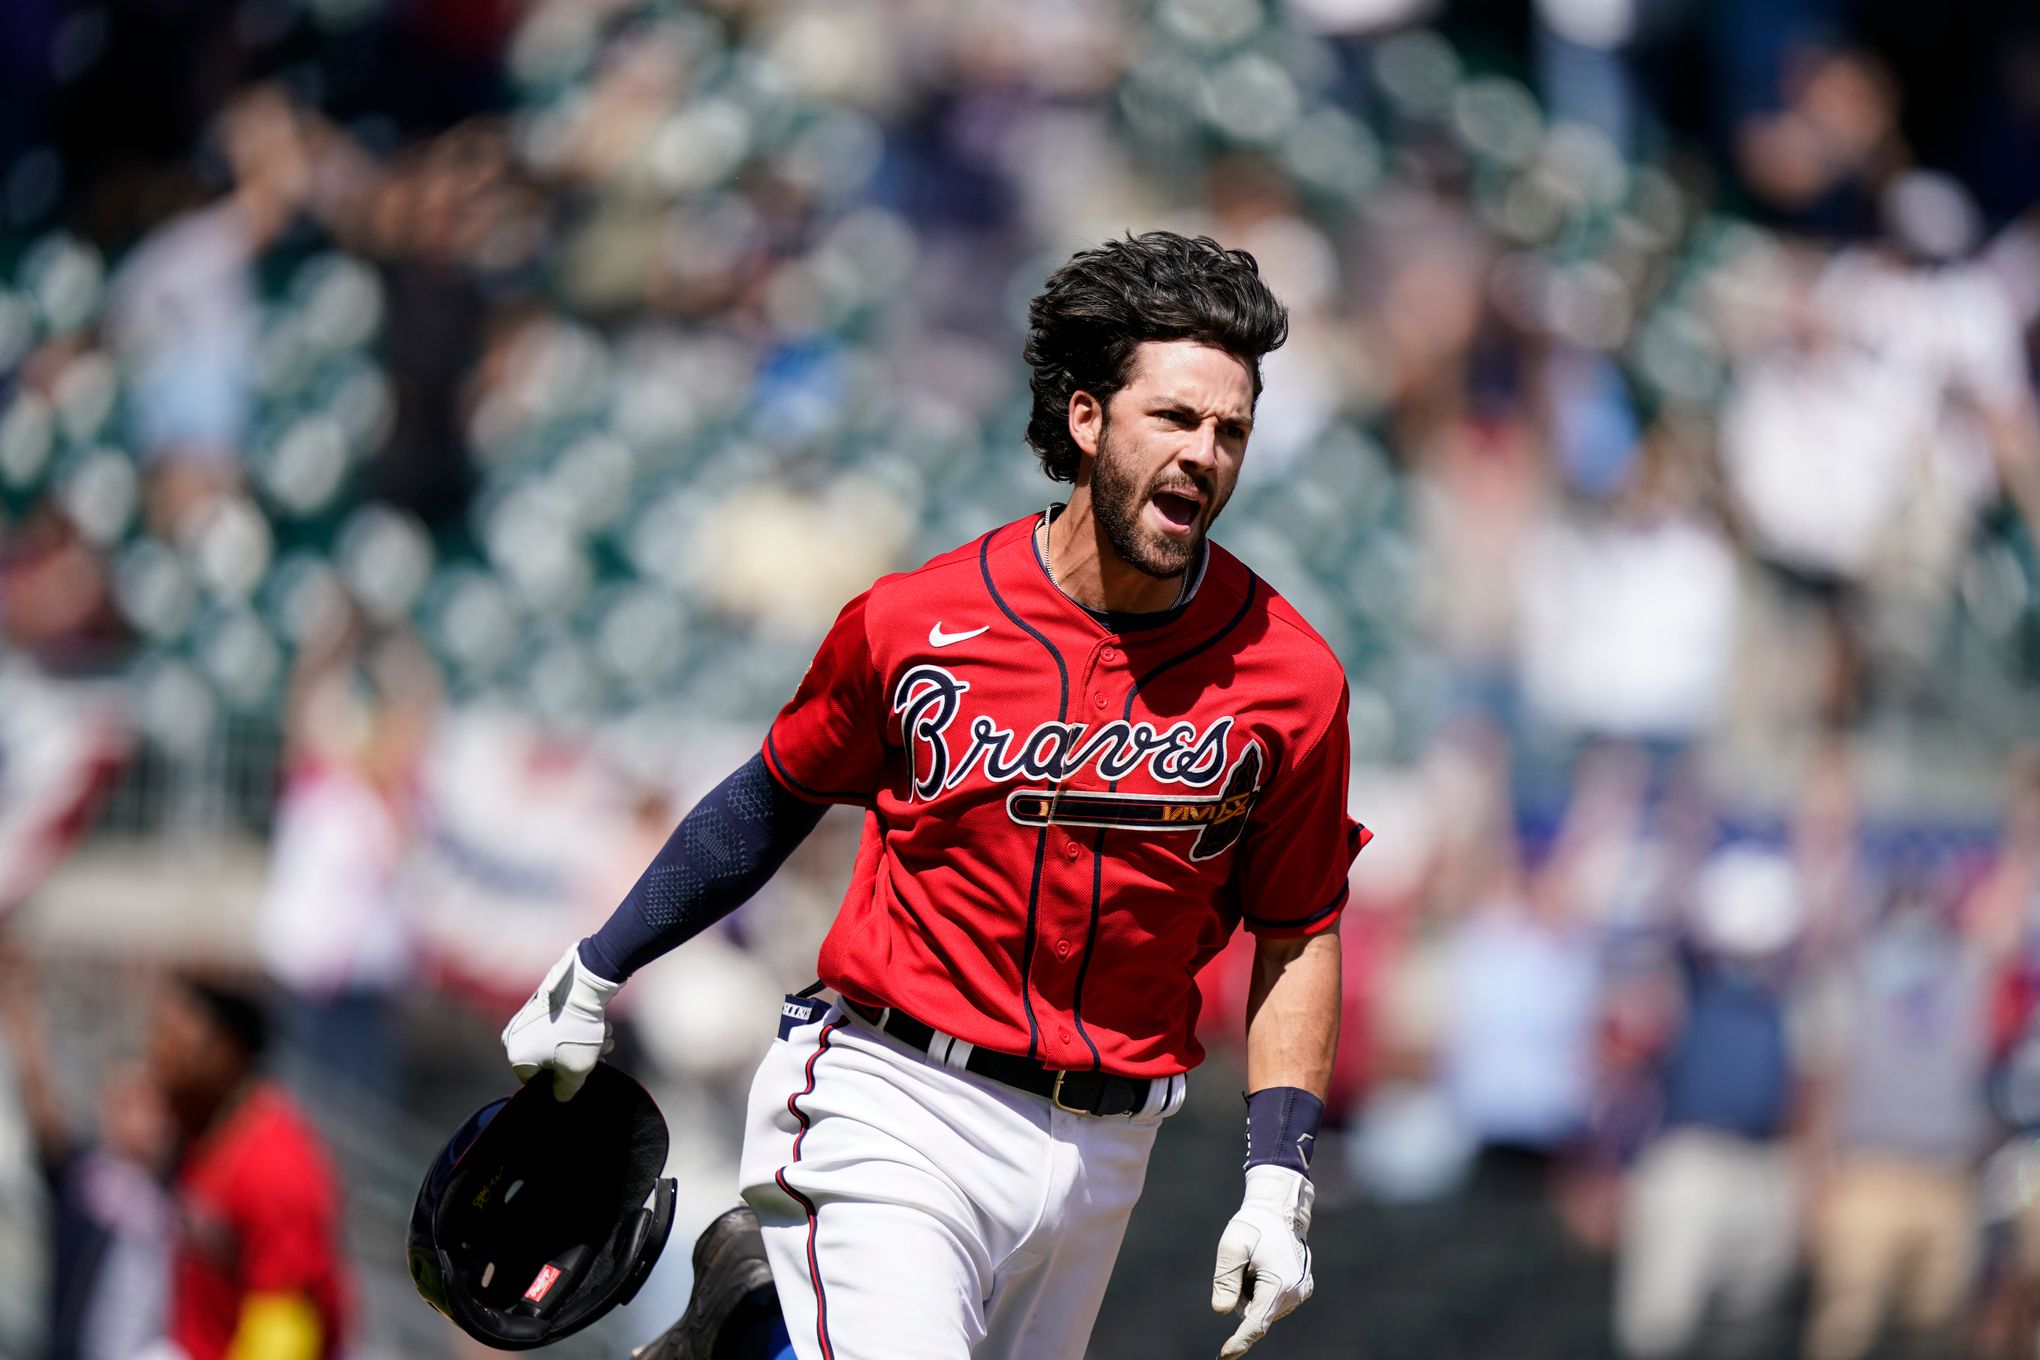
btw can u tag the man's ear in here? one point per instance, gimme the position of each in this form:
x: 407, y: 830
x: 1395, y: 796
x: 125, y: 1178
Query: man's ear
x: 1087, y: 422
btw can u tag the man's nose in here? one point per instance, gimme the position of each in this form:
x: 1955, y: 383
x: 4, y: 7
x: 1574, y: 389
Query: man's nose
x: 1200, y: 450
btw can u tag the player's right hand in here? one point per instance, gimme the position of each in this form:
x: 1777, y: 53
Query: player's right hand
x: 562, y: 1026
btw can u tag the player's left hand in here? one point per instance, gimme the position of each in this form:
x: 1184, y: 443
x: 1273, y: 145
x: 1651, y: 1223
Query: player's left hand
x: 1263, y: 1259
x: 562, y: 1027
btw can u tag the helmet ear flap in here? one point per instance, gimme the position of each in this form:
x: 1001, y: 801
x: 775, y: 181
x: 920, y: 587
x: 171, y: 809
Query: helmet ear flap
x: 649, y: 1229
x: 503, y: 1330
x: 634, y: 1247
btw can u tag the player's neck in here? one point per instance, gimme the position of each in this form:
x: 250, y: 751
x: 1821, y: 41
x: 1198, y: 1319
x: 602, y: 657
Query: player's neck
x: 1084, y: 563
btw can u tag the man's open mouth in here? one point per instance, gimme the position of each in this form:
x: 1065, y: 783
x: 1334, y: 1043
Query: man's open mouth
x: 1178, y: 509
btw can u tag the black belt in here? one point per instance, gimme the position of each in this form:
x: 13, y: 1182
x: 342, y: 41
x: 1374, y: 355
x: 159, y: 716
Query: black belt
x: 1098, y: 1093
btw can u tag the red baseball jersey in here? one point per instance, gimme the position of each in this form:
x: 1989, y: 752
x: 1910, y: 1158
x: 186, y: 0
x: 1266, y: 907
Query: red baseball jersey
x: 258, y: 1213
x: 1065, y: 822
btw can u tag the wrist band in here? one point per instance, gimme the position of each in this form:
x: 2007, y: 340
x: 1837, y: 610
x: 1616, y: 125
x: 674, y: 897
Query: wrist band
x: 1282, y: 1126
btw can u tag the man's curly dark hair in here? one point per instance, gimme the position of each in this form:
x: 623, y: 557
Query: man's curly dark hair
x: 1101, y: 306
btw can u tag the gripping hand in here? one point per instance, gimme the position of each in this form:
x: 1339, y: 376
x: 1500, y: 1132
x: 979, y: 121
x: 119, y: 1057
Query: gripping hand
x: 1263, y: 1259
x: 562, y: 1026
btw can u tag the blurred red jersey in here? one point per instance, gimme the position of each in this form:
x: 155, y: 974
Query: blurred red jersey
x: 258, y: 1212
x: 1069, y: 815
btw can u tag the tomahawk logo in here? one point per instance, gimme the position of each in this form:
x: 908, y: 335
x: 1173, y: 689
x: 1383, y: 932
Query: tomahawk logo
x: 1219, y: 822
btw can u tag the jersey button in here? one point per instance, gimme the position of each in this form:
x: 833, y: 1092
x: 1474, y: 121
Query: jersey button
x: 1062, y: 949
x: 1071, y: 850
x: 1109, y: 655
x: 1098, y: 701
x: 1063, y: 1035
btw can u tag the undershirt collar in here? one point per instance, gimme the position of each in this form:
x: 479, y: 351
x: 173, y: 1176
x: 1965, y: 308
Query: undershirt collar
x: 1117, y: 621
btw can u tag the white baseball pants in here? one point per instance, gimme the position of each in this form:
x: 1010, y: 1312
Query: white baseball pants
x: 913, y: 1211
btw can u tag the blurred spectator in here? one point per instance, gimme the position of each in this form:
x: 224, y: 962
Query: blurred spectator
x: 1829, y: 138
x: 110, y: 1216
x: 1629, y: 610
x: 183, y: 316
x: 1459, y: 415
x: 438, y: 224
x: 1518, y: 1055
x: 1896, y: 1226
x: 2010, y: 1318
x: 184, y: 321
x: 1518, y: 1063
x: 1710, y: 1238
x: 1526, y: 973
x: 1887, y: 408
x: 56, y: 602
x: 333, y: 928
x: 257, y: 1269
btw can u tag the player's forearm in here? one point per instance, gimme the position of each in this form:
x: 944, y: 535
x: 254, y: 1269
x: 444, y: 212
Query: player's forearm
x: 723, y: 851
x: 1293, y: 1013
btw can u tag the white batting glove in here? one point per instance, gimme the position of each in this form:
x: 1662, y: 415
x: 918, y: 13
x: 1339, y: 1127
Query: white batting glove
x: 562, y: 1027
x: 1263, y: 1260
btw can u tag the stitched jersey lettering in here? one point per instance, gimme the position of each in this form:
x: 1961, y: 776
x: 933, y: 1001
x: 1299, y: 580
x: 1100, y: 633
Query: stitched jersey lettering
x: 928, y: 699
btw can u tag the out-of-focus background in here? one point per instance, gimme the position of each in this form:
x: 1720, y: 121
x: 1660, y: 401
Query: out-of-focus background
x: 434, y: 434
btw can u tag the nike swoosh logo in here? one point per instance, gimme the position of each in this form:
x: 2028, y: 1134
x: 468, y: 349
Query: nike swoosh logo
x: 938, y: 638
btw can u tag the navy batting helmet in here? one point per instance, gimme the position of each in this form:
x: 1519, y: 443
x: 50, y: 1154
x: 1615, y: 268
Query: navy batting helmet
x: 541, y: 1215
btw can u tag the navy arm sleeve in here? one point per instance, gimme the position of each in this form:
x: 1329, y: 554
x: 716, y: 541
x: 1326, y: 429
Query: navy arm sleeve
x: 722, y: 852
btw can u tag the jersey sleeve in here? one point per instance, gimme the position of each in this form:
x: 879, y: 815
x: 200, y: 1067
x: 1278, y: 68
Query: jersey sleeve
x: 828, y: 744
x: 1300, y: 841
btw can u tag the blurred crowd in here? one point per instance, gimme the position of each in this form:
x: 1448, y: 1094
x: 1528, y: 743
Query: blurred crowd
x: 1775, y: 1066
x: 433, y: 435
x: 198, y: 1213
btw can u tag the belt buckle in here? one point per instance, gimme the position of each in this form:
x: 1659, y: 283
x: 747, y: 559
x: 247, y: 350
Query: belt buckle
x: 1055, y: 1095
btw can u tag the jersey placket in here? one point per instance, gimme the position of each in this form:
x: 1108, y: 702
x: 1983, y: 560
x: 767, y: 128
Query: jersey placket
x: 1066, y: 936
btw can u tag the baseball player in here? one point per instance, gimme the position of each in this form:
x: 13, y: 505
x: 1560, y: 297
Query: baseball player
x: 1088, y: 747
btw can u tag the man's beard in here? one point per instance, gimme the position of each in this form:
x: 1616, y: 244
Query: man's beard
x: 1117, y: 500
